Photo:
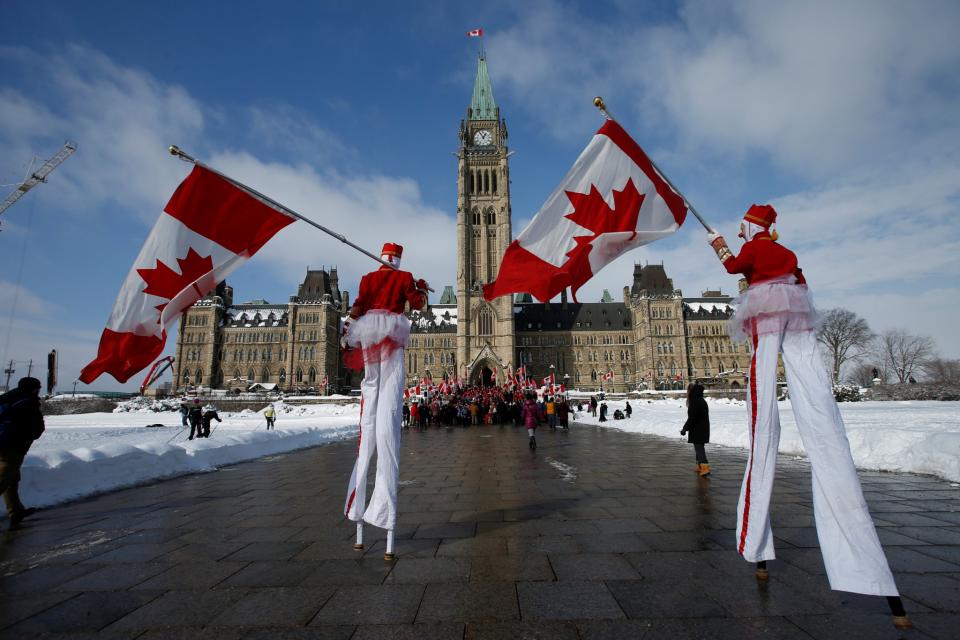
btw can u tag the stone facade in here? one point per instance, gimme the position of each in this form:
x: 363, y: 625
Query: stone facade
x: 652, y: 337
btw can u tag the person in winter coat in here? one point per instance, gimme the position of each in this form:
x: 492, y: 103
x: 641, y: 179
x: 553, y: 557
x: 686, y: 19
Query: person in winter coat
x: 22, y: 423
x: 563, y: 413
x: 271, y: 415
x: 196, y: 420
x: 529, y: 417
x: 603, y: 412
x: 697, y: 426
x: 593, y: 406
x: 184, y: 413
x: 406, y: 415
x: 209, y: 416
x: 628, y: 409
x: 777, y: 315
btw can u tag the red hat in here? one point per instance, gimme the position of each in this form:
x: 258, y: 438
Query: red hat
x: 390, y: 249
x: 761, y: 214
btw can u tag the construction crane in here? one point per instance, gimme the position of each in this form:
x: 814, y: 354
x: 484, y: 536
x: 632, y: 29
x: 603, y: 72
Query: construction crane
x: 154, y: 374
x: 38, y: 176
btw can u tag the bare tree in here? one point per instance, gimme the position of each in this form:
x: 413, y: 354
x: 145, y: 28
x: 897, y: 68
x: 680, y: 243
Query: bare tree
x: 903, y: 353
x: 846, y: 336
x: 942, y: 370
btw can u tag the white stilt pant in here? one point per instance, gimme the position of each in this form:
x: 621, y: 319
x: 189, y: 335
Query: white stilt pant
x: 382, y: 395
x: 852, y: 554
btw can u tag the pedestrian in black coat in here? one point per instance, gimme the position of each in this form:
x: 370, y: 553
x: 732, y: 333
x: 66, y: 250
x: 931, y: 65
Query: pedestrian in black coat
x: 209, y: 416
x: 196, y: 420
x: 698, y: 425
x: 22, y: 423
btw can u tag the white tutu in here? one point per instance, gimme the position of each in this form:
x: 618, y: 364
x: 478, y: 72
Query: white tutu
x: 773, y: 306
x: 378, y: 325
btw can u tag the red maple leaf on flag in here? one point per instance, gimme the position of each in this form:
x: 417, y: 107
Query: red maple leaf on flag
x: 195, y: 271
x: 592, y: 212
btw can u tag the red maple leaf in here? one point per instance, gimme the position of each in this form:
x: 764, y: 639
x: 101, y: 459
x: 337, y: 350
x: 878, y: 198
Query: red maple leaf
x: 164, y: 282
x: 592, y: 212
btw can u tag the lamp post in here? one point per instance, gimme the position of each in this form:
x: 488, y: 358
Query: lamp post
x: 75, y: 387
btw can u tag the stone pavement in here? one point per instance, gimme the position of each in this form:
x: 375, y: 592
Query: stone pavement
x: 598, y: 534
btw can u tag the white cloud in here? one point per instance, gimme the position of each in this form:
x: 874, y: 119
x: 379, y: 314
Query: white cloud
x: 22, y: 302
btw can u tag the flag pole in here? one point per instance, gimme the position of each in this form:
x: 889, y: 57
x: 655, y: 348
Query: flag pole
x: 602, y: 106
x: 176, y: 151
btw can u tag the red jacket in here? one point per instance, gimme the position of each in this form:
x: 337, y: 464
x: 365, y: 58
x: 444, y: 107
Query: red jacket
x: 761, y: 259
x: 386, y: 289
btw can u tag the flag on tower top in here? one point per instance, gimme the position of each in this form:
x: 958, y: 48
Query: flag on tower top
x: 612, y: 200
x: 475, y: 33
x: 209, y: 228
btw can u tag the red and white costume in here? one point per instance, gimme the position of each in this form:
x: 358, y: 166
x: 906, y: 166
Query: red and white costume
x: 379, y: 332
x: 777, y: 315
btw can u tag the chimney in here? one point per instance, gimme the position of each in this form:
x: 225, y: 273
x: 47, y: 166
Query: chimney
x: 345, y: 301
x: 563, y: 299
x: 626, y: 295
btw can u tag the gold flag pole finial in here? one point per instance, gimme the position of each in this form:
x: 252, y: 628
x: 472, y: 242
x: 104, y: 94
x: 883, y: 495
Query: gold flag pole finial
x: 602, y: 106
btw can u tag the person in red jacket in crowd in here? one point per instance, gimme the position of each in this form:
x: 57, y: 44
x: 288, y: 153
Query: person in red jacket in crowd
x: 378, y: 331
x: 777, y: 315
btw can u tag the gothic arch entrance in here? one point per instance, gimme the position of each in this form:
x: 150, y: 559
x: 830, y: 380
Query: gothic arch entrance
x: 482, y: 375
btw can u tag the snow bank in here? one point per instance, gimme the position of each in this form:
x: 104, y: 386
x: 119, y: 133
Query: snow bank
x: 80, y: 455
x: 915, y: 437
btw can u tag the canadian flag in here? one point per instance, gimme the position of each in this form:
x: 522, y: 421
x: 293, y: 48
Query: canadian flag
x: 549, y: 380
x: 612, y: 200
x: 208, y: 229
x: 608, y: 375
x: 475, y: 33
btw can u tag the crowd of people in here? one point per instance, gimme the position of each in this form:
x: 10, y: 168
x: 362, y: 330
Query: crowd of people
x: 475, y: 405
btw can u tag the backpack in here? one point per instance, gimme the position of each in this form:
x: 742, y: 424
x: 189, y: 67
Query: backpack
x: 8, y: 430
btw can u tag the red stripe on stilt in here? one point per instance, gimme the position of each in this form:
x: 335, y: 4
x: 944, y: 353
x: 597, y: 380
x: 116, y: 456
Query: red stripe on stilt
x: 753, y: 435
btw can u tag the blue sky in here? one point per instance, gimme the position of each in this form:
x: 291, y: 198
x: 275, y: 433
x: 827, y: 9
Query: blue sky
x: 843, y: 115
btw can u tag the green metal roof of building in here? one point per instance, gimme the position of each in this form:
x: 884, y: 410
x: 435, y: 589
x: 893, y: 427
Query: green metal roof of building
x: 482, y: 105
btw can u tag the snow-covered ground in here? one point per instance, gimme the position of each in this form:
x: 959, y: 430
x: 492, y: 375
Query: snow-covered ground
x: 83, y: 454
x: 917, y: 437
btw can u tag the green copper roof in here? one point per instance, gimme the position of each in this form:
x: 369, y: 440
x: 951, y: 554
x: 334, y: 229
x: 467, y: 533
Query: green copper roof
x: 448, y: 296
x: 482, y: 104
x: 606, y: 297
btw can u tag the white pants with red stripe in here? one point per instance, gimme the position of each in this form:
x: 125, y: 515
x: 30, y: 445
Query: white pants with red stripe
x: 852, y: 554
x: 380, y: 422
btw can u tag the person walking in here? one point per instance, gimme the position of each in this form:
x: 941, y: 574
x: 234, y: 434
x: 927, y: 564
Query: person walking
x: 563, y: 413
x: 697, y: 426
x: 184, y: 413
x: 603, y: 412
x: 529, y: 417
x: 21, y: 422
x: 551, y: 409
x: 209, y: 416
x: 593, y: 406
x: 378, y: 331
x: 628, y: 409
x: 270, y: 413
x: 777, y: 315
x: 406, y: 416
x: 196, y: 419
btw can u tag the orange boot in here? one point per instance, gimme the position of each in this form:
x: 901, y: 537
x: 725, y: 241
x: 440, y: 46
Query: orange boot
x: 704, y: 470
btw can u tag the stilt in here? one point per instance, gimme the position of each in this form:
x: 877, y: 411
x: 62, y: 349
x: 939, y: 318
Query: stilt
x: 389, y: 556
x: 358, y: 545
x: 900, y: 619
x: 762, y: 573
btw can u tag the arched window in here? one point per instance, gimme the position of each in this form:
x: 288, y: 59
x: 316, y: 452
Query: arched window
x: 199, y: 376
x: 299, y: 374
x: 486, y: 181
x: 720, y: 368
x: 494, y: 178
x: 265, y: 375
x: 282, y: 376
x: 659, y: 369
x: 186, y: 377
x: 593, y: 376
x: 236, y: 374
x: 312, y: 375
x: 251, y: 376
x: 576, y: 377
x: 673, y: 368
x: 476, y: 217
x: 491, y: 216
x: 485, y: 323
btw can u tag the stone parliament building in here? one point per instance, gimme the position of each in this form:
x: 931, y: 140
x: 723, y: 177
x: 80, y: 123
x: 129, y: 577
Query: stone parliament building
x: 652, y: 338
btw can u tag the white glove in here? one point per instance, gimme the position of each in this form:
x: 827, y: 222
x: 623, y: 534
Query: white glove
x: 711, y: 236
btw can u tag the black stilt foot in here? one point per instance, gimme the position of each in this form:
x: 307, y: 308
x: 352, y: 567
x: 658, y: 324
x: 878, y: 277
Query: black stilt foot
x: 900, y: 619
x: 762, y: 573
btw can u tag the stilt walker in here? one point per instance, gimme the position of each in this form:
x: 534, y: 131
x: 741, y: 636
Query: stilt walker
x: 377, y: 333
x: 777, y: 315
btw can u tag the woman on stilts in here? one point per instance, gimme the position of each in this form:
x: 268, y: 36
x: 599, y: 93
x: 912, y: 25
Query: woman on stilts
x: 377, y: 332
x: 777, y: 315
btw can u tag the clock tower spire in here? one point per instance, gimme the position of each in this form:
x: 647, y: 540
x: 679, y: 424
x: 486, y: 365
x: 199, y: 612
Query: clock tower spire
x: 485, y: 330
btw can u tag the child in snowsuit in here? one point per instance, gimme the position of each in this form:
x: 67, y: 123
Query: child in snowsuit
x: 698, y: 426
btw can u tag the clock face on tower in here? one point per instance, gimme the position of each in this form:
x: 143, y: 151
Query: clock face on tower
x: 482, y: 138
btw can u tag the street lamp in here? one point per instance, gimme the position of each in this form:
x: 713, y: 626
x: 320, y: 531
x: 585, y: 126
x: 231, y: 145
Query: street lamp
x: 75, y: 387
